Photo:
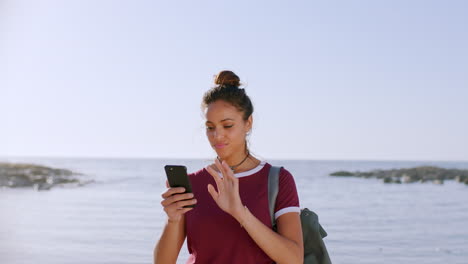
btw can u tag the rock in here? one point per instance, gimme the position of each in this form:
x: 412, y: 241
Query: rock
x: 388, y: 180
x: 409, y: 175
x: 461, y: 178
x: 364, y: 174
x: 42, y: 186
x: 438, y: 181
x: 18, y: 175
x: 342, y: 173
x: 407, y: 179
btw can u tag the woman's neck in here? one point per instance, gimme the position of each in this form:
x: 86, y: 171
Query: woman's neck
x: 249, y: 164
x: 242, y: 163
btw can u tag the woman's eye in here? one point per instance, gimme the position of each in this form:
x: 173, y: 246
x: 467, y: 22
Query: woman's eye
x: 211, y: 128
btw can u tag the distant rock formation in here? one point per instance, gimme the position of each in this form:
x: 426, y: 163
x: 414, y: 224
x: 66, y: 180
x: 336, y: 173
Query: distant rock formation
x: 417, y: 174
x: 17, y: 175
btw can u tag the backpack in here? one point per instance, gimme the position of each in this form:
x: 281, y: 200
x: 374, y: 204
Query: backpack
x: 313, y: 233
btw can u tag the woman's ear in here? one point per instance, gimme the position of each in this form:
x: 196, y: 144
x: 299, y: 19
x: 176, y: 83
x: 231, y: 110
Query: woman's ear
x: 249, y: 123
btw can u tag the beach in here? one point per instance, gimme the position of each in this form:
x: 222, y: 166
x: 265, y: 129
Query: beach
x: 118, y: 217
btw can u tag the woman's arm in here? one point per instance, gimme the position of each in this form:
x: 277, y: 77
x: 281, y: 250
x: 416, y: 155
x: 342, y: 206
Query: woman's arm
x: 286, y: 246
x: 173, y: 236
x: 169, y: 245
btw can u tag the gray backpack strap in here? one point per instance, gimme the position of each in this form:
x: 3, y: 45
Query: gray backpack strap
x: 273, y: 186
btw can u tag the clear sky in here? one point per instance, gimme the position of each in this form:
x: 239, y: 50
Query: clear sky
x: 329, y: 79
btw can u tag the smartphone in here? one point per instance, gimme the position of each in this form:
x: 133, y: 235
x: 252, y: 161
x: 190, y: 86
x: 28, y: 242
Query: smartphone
x: 177, y: 177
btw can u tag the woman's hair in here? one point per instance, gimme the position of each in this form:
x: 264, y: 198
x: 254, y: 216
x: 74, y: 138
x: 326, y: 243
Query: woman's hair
x: 227, y: 89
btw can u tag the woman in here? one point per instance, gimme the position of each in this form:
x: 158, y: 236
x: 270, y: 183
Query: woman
x: 231, y: 221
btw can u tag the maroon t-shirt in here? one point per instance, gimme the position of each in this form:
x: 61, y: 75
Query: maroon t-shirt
x: 214, y: 236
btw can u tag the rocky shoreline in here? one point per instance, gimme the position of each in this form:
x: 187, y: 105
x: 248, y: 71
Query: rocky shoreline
x: 22, y: 175
x: 410, y: 175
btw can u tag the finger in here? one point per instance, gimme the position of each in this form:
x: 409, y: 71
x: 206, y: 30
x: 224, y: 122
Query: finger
x: 183, y: 211
x: 167, y: 184
x: 219, y: 166
x: 180, y: 204
x: 218, y: 180
x: 213, y: 192
x: 213, y: 173
x: 228, y: 174
x: 175, y: 198
x: 173, y: 207
x: 172, y: 191
x: 228, y: 171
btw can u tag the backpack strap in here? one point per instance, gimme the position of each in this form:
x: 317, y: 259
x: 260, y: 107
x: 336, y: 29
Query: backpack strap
x: 273, y: 186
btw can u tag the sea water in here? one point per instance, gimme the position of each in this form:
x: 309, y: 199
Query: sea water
x: 118, y: 218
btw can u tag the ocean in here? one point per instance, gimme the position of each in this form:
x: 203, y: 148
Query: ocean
x: 118, y: 218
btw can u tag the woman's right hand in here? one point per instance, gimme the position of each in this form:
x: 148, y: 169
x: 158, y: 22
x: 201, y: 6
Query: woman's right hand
x: 174, y: 200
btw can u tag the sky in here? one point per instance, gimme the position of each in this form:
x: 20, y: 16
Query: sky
x: 341, y: 80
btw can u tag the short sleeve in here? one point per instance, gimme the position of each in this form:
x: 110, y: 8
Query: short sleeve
x: 287, y: 200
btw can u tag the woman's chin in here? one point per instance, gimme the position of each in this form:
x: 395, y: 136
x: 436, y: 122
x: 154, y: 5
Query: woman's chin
x: 222, y: 154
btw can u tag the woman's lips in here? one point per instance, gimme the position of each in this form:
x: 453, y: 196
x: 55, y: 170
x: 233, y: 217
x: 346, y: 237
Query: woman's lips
x: 219, y: 146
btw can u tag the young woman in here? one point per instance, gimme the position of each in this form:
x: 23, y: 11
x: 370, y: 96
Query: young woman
x: 231, y: 221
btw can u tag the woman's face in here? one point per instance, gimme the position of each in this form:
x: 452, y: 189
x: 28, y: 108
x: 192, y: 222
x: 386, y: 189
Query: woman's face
x: 226, y: 129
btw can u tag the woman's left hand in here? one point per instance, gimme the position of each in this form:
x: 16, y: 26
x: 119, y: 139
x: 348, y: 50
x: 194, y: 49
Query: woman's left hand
x: 227, y: 197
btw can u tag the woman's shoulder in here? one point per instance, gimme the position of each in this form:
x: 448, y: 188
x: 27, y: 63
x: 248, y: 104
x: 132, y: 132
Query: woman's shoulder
x: 283, y: 169
x: 284, y: 174
x: 197, y: 173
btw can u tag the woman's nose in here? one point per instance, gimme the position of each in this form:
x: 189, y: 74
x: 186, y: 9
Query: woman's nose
x: 218, y: 134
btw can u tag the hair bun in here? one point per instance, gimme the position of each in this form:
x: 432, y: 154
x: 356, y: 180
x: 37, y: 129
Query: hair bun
x: 227, y: 78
